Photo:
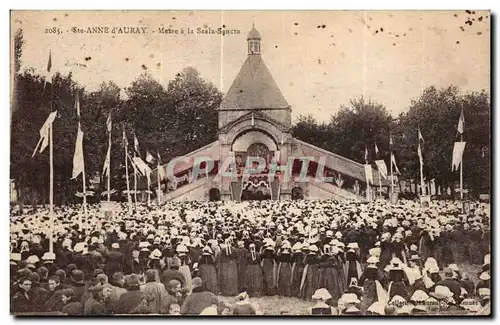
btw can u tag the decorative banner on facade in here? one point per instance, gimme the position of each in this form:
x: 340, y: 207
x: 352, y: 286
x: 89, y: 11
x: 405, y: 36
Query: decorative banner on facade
x: 458, y: 150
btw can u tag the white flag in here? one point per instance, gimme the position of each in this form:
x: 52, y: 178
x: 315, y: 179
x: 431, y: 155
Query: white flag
x: 141, y: 166
x: 149, y: 158
x: 105, y: 169
x: 376, y: 150
x: 458, y: 150
x: 368, y: 173
x: 382, y: 168
x: 108, y: 122
x: 161, y: 172
x: 393, y: 162
x: 44, y: 133
x: 78, y: 162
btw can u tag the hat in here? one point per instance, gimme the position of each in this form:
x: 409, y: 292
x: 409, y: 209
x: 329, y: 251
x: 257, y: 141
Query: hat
x: 15, y: 257
x: 77, y: 276
x: 353, y: 245
x: 397, y: 301
x: 441, y: 292
x: 484, y: 276
x: 48, y: 256
x: 115, y: 246
x: 182, y: 249
x: 453, y: 267
x: 372, y: 260
x: 377, y: 308
x: 241, y: 297
x: 313, y: 248
x: 321, y: 294
x: 351, y: 309
x: 207, y: 250
x: 33, y: 259
x: 414, y: 257
x: 79, y: 247
x: 144, y: 244
x: 413, y: 247
x: 155, y: 255
x: 486, y: 260
x: 132, y: 280
x: 350, y: 298
x: 374, y: 251
x: 483, y: 292
x: 419, y: 295
x: 197, y: 282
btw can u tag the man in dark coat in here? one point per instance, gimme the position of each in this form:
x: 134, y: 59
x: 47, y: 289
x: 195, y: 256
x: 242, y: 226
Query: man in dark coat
x: 39, y: 295
x: 173, y: 273
x: 451, y: 283
x: 21, y: 301
x: 133, y: 301
x: 77, y: 284
x: 198, y: 300
x: 114, y: 260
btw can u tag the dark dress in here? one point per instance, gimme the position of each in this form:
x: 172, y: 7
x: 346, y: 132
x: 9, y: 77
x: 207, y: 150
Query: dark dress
x: 398, y: 284
x: 310, y: 277
x: 329, y: 279
x: 297, y: 270
x: 269, y: 269
x: 368, y: 282
x: 228, y: 272
x: 208, y: 273
x: 253, y: 277
x: 284, y: 275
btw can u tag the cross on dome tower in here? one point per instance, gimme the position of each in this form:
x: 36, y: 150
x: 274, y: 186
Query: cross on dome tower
x: 253, y: 40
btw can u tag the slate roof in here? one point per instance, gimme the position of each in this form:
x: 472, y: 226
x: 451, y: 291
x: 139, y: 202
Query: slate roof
x: 254, y: 88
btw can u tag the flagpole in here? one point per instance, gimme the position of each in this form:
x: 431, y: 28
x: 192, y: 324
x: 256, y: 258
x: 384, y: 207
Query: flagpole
x: 392, y: 177
x: 51, y: 192
x: 422, y: 179
x: 158, y: 180
x: 461, y: 174
x: 135, y: 185
x: 380, y: 182
x: 109, y: 167
x: 129, y: 199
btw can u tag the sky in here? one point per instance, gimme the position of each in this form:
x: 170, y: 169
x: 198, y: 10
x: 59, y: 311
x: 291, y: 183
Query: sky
x: 319, y: 59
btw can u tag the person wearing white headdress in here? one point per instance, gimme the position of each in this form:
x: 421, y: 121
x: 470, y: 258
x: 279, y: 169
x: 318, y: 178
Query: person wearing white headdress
x: 310, y: 277
x: 253, y: 273
x: 269, y: 268
x: 228, y: 270
x: 284, y: 273
x: 321, y: 296
x: 207, y: 271
x: 371, y: 280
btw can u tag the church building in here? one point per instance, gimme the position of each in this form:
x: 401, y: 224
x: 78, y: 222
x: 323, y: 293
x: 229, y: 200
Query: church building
x: 254, y: 119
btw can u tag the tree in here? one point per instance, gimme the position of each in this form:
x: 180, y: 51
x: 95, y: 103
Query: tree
x: 359, y: 125
x: 436, y: 112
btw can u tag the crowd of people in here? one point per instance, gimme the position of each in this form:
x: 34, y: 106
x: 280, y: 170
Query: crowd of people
x: 216, y: 258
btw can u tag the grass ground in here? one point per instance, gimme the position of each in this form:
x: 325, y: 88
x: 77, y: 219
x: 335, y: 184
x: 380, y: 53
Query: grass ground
x: 275, y: 305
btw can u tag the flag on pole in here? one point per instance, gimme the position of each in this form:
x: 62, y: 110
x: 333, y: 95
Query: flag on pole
x: 366, y: 154
x: 368, y: 172
x: 78, y: 162
x: 420, y: 143
x: 108, y: 122
x: 142, y: 167
x: 44, y: 133
x: 382, y: 168
x: 376, y: 150
x: 393, y: 162
x: 48, y: 74
x: 105, y: 169
x: 136, y: 145
x: 458, y: 150
x: 391, y: 143
x: 461, y: 123
x: 149, y: 158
